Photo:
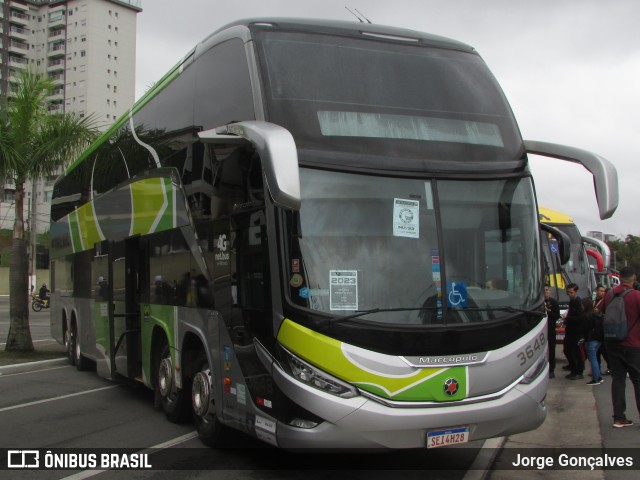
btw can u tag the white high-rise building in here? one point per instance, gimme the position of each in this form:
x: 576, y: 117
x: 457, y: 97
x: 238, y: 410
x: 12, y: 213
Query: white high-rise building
x: 88, y: 48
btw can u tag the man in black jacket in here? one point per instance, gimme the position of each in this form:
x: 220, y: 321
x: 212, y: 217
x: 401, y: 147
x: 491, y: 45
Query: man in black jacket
x: 553, y: 314
x: 573, y: 334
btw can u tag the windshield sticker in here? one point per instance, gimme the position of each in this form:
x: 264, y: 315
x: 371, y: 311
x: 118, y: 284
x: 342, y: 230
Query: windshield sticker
x: 406, y: 214
x: 435, y: 272
x: 457, y: 294
x: 296, y: 280
x: 343, y: 290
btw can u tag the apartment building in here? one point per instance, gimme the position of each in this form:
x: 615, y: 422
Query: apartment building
x: 88, y: 49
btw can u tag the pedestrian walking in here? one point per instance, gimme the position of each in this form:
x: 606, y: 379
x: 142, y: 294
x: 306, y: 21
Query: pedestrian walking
x: 593, y: 336
x: 624, y: 355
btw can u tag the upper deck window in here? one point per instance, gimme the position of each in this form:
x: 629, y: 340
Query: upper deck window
x: 380, y: 125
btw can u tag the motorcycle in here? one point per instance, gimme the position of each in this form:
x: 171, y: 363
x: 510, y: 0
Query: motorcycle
x: 38, y: 303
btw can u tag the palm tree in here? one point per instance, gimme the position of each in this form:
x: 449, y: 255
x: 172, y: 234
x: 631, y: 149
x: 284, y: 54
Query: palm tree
x: 33, y: 143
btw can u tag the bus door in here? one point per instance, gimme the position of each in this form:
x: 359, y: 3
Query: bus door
x: 130, y: 289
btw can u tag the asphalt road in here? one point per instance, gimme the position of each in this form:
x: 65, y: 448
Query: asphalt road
x: 60, y: 408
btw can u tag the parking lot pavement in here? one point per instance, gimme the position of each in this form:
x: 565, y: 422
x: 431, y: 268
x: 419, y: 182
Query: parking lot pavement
x: 578, y: 419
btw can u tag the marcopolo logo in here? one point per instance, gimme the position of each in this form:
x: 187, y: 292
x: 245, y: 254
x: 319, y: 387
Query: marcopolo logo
x: 451, y: 386
x: 446, y: 360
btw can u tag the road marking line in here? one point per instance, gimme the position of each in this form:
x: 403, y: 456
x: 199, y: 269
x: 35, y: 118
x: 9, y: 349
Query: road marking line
x: 50, y: 340
x: 168, y: 444
x: 483, y: 462
x: 47, y: 400
x: 5, y: 375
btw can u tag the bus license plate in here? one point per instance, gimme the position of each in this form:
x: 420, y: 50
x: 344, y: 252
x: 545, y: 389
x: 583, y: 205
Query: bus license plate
x: 454, y: 436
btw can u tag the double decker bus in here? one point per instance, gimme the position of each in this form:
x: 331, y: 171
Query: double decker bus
x: 559, y: 272
x: 322, y: 234
x: 577, y: 267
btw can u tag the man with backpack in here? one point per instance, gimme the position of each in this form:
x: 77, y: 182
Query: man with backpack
x: 621, y: 310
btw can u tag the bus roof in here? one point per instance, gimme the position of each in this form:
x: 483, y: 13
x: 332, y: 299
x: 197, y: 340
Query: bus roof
x: 554, y: 217
x: 330, y: 27
x: 338, y: 27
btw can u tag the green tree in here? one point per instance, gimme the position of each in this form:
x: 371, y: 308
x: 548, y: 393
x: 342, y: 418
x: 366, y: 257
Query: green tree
x: 625, y: 252
x: 33, y: 143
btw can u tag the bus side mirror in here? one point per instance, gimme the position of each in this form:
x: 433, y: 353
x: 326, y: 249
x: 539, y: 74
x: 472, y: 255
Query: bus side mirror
x: 605, y: 175
x: 563, y: 240
x: 277, y: 151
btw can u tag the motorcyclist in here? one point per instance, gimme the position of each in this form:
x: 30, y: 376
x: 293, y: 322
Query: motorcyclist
x: 44, y: 293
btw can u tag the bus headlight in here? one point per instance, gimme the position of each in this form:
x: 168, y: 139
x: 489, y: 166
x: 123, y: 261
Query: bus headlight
x: 307, y: 373
x: 536, y: 369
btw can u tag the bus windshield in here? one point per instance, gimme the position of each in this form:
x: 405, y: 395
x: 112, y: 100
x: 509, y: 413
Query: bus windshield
x: 385, y: 97
x: 367, y: 242
x: 577, y: 268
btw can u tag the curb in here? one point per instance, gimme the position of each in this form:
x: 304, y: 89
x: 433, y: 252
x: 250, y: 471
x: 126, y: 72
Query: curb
x: 32, y: 366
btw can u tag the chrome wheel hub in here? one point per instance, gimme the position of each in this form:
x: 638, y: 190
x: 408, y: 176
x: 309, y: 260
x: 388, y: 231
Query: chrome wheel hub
x: 201, y: 393
x: 165, y: 377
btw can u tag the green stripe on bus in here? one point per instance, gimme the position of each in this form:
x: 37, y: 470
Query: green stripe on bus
x: 74, y: 230
x: 418, y: 384
x: 87, y: 225
x: 150, y: 205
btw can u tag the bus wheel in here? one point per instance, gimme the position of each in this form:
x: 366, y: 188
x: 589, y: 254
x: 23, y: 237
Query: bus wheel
x: 203, y: 403
x: 69, y: 344
x: 78, y: 359
x: 172, y: 399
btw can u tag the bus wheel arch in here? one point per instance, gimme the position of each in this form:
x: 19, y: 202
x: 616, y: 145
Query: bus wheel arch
x: 203, y: 403
x: 78, y: 359
x: 172, y: 400
x: 66, y: 335
x: 198, y: 374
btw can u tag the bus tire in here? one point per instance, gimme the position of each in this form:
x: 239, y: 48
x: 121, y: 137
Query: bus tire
x: 210, y: 430
x: 79, y: 360
x: 174, y: 401
x: 69, y: 345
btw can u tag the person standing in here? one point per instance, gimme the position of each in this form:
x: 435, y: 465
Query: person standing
x: 601, y: 353
x: 573, y: 334
x: 593, y: 336
x: 553, y: 314
x: 624, y: 356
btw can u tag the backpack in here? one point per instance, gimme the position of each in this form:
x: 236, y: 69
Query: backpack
x: 614, y: 322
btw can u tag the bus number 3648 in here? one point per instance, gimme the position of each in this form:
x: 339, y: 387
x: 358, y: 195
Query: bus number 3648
x: 530, y: 350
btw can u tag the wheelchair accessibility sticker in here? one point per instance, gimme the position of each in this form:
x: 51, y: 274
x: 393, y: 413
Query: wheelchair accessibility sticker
x: 457, y: 294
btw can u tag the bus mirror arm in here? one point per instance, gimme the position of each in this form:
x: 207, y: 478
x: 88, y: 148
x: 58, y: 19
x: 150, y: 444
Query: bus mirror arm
x: 605, y: 175
x: 277, y: 151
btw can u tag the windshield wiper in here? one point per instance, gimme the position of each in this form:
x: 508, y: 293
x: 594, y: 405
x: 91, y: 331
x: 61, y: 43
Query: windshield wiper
x: 360, y: 313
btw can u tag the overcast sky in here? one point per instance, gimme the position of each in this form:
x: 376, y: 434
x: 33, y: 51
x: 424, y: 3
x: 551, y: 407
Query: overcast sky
x: 569, y: 68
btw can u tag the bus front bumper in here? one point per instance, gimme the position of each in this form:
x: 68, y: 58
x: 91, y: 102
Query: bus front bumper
x: 364, y: 423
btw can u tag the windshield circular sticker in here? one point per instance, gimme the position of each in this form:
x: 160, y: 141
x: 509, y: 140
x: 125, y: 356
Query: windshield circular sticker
x: 406, y: 214
x: 296, y: 280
